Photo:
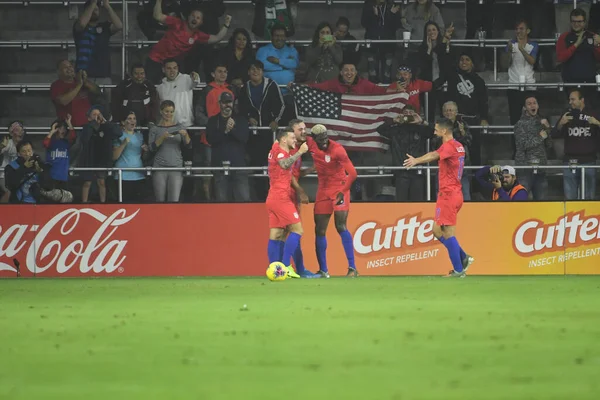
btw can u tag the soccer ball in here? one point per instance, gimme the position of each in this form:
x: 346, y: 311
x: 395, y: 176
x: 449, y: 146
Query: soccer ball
x: 277, y: 271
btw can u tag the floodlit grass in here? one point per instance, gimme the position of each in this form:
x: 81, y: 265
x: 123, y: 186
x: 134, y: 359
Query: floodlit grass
x: 366, y: 338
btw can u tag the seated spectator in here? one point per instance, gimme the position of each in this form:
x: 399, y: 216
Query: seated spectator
x: 261, y: 102
x: 167, y: 139
x: 522, y: 53
x: 71, y: 93
x: 416, y: 15
x: 324, y: 55
x: 238, y: 55
x: 179, y: 39
x: 24, y: 175
x: 151, y: 28
x: 352, y: 51
x: 58, y: 143
x: 503, y: 183
x: 96, y: 141
x: 381, y: 19
x: 580, y: 130
x: 136, y: 94
x: 179, y: 88
x: 8, y: 147
x: 228, y: 134
x: 349, y: 82
x: 127, y: 153
x: 413, y: 87
x: 532, y: 137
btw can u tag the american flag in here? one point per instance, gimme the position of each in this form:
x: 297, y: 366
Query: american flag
x: 351, y: 120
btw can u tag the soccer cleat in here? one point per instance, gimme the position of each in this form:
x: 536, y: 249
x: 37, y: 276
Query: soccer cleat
x: 308, y: 275
x: 352, y: 272
x: 323, y: 274
x: 468, y: 260
x: 292, y: 273
x: 454, y: 274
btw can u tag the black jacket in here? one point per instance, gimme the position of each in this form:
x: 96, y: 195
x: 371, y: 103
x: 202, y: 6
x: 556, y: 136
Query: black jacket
x: 381, y: 26
x: 405, y: 138
x: 142, y: 99
x: 24, y: 183
x: 229, y: 146
x: 581, y: 137
x: 97, y: 144
x: 271, y: 107
x: 468, y: 91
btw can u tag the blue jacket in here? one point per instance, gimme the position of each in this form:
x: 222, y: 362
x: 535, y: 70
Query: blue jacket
x: 284, y: 72
x: 22, y: 181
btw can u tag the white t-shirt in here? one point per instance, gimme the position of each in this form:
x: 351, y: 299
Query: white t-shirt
x: 179, y: 91
x: 520, y: 66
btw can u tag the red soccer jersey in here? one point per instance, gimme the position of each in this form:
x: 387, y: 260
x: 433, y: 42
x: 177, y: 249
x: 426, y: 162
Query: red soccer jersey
x: 452, y: 161
x: 297, y: 165
x: 334, y: 168
x: 280, y: 179
x: 177, y: 41
x: 78, y: 107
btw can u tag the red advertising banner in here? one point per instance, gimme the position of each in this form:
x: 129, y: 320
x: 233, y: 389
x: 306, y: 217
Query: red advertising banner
x: 231, y: 239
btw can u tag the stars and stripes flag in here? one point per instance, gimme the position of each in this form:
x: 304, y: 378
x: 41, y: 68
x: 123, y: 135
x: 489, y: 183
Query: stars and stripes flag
x: 351, y: 120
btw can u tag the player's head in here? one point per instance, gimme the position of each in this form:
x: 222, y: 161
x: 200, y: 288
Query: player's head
x: 299, y: 128
x: 286, y: 138
x: 319, y: 133
x: 443, y: 127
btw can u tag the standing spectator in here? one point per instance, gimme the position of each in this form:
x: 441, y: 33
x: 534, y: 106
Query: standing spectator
x: 58, y: 142
x: 96, y: 141
x: 24, y: 175
x: 228, y: 135
x: 127, y: 153
x: 208, y: 104
x: 179, y: 88
x: 151, y: 28
x: 522, y: 53
x: 71, y: 93
x: 167, y: 139
x: 581, y: 131
x: 92, y: 41
x: 268, y: 14
x: 261, y: 102
x: 238, y: 55
x: 349, y: 82
x: 416, y: 15
x: 8, y: 146
x: 324, y: 55
x: 352, y: 51
x: 532, y: 137
x: 381, y: 20
x: 179, y: 39
x: 578, y: 51
x: 413, y: 87
x: 136, y: 94
x: 563, y: 10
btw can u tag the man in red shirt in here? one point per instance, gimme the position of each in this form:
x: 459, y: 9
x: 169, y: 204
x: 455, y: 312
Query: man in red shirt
x: 70, y: 94
x: 336, y: 175
x: 179, y: 39
x: 451, y: 156
x: 283, y: 215
x: 413, y: 87
x: 349, y: 82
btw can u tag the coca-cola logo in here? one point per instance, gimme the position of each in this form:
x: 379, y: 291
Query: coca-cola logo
x: 56, y: 245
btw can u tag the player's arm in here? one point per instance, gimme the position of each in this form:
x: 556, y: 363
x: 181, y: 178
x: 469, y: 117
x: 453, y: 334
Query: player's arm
x: 350, y: 170
x: 424, y: 159
x: 299, y: 191
x: 286, y: 163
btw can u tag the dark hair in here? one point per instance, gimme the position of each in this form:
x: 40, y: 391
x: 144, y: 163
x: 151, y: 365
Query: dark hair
x: 219, y: 63
x: 315, y: 38
x: 294, y: 122
x: 445, y: 123
x: 195, y: 8
x: 579, y: 91
x: 343, y: 21
x: 427, y: 24
x: 578, y: 12
x: 23, y: 143
x: 427, y: 6
x: 346, y: 62
x: 231, y: 44
x: 60, y: 122
x: 61, y: 61
x: 278, y: 27
x: 170, y: 60
x: 136, y: 66
x: 256, y: 63
x: 522, y: 21
x: 281, y: 133
x: 166, y: 103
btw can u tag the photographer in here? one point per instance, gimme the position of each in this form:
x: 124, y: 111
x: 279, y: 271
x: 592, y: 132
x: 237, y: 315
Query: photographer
x: 407, y: 134
x: 23, y: 175
x: 503, y: 182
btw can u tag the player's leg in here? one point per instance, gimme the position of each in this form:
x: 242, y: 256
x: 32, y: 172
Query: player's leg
x: 291, y: 244
x: 340, y: 218
x: 276, y: 236
x: 323, y: 210
x: 447, y: 208
x: 298, y: 257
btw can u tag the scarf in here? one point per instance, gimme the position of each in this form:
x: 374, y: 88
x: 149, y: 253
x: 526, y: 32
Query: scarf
x: 276, y: 12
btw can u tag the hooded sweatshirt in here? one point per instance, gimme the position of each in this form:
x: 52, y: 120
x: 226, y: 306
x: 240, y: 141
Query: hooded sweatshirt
x: 180, y: 91
x: 468, y: 90
x: 581, y: 138
x: 530, y: 144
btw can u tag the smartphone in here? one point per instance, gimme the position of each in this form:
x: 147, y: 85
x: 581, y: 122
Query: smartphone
x: 401, y: 80
x: 328, y: 38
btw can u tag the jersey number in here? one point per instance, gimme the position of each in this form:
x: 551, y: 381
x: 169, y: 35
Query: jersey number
x: 461, y: 165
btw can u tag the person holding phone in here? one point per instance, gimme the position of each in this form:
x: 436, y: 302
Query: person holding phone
x: 57, y: 143
x: 324, y: 55
x: 407, y: 84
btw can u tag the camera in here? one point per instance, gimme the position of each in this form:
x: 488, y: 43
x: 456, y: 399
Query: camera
x: 493, y: 176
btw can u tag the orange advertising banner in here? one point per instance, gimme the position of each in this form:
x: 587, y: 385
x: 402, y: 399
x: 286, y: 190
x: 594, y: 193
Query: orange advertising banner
x: 231, y: 239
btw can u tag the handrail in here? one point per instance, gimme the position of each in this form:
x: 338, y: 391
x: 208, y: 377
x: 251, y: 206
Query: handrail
x: 66, y: 3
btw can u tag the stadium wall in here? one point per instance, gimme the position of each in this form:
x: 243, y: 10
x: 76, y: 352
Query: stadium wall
x: 550, y: 238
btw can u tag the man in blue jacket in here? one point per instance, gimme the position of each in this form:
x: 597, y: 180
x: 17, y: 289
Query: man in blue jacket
x: 24, y: 175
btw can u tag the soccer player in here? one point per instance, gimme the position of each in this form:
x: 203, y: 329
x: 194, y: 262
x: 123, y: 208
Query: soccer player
x: 451, y: 156
x: 336, y: 175
x: 282, y: 211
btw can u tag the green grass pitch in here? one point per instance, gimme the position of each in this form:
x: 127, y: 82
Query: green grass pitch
x: 366, y: 338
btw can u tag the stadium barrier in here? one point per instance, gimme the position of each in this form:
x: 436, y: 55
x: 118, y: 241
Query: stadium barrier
x: 230, y: 240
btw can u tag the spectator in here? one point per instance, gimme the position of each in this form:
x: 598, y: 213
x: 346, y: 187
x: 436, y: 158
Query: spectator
x: 179, y: 88
x: 261, y: 102
x: 228, y: 135
x: 578, y: 51
x: 416, y: 15
x: 151, y: 28
x: 412, y: 87
x: 71, y: 93
x: 268, y: 14
x: 349, y: 82
x: 563, y: 10
x: 96, y: 141
x: 167, y: 139
x: 381, y: 20
x: 408, y: 135
x: 24, y: 175
x: 8, y: 147
x: 324, y: 55
x: 352, y: 51
x: 208, y: 104
x: 58, y: 142
x: 127, y: 153
x: 581, y: 131
x: 92, y: 41
x: 238, y: 56
x: 179, y: 39
x: 532, y: 137
x: 136, y: 94
x: 503, y: 183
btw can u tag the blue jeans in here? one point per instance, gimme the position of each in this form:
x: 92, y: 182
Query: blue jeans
x: 536, y: 184
x: 572, y: 183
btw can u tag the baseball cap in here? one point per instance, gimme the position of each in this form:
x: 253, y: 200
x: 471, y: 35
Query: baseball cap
x: 507, y: 169
x: 226, y: 97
